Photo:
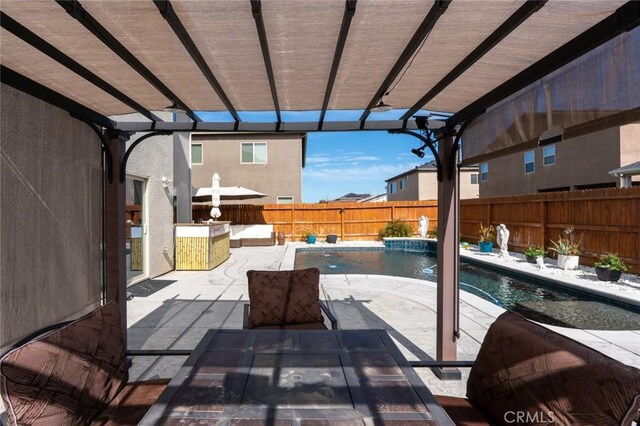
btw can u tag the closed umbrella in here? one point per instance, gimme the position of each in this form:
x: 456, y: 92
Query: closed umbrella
x: 215, y: 197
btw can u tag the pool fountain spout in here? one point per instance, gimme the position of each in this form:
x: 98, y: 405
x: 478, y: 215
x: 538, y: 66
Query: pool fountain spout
x: 423, y: 225
x: 540, y: 262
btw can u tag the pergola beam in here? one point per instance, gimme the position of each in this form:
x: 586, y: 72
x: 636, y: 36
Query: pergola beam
x: 37, y: 90
x: 167, y: 12
x: 624, y: 19
x: 75, y: 10
x: 43, y: 46
x: 423, y: 31
x: 349, y: 11
x: 513, y: 22
x: 256, y: 10
x: 283, y: 127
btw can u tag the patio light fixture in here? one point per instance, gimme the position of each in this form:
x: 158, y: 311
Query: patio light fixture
x: 175, y: 108
x: 418, y: 151
x: 381, y: 107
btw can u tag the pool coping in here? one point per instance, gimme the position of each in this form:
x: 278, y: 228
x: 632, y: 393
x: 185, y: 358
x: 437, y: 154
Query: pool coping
x: 288, y: 262
x: 565, y: 281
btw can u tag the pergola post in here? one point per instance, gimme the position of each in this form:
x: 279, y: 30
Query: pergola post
x: 448, y: 247
x: 115, y: 257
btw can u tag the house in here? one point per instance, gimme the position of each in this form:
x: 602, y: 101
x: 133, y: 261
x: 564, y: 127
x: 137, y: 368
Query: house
x: 626, y: 174
x: 380, y: 198
x: 583, y: 162
x: 350, y: 197
x: 421, y: 183
x: 267, y: 163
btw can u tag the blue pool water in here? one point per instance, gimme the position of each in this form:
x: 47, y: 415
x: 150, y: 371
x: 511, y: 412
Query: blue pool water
x: 540, y: 302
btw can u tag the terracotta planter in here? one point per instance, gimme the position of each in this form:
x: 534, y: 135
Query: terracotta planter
x: 486, y: 246
x: 568, y: 262
x: 605, y: 274
x: 280, y: 238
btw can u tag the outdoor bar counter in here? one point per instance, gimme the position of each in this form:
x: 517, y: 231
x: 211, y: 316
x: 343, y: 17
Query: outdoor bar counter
x: 201, y: 246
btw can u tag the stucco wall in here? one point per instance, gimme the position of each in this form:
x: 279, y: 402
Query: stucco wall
x: 280, y: 176
x: 152, y: 160
x: 50, y: 215
x: 630, y: 146
x: 423, y: 185
x: 584, y: 160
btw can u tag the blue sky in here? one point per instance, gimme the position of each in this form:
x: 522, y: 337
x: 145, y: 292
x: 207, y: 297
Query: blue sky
x: 343, y: 162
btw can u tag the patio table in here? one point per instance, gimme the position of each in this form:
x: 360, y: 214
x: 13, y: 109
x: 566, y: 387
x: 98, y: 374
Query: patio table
x: 295, y: 377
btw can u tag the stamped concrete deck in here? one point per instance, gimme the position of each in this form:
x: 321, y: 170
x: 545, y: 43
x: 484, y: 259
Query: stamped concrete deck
x: 178, y: 315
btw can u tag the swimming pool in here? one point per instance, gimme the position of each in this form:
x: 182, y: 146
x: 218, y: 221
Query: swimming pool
x: 537, y: 301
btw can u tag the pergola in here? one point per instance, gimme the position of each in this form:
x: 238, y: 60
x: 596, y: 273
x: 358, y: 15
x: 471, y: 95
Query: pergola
x: 504, y: 70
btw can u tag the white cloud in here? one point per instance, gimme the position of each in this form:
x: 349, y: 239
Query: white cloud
x: 318, y: 159
x: 376, y: 174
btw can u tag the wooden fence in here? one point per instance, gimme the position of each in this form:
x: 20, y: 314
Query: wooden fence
x: 604, y: 220
x: 350, y: 221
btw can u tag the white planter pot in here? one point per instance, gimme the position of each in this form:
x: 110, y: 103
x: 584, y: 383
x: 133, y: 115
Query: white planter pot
x: 568, y: 262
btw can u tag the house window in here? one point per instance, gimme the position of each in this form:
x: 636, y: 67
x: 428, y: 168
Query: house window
x: 484, y: 172
x: 392, y: 187
x: 549, y: 155
x: 401, y: 185
x: 529, y: 162
x: 288, y: 199
x: 196, y: 153
x: 254, y: 153
x: 474, y: 178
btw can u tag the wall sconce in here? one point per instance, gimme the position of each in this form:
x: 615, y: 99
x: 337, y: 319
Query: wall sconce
x: 165, y: 181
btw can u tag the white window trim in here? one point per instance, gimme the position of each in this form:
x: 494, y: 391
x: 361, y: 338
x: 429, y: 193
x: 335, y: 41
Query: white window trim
x: 266, y: 160
x: 201, y: 154
x: 284, y: 196
x: 529, y: 162
x: 544, y: 164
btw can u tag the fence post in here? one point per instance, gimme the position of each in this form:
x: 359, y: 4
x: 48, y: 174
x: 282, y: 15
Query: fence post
x: 293, y: 222
x: 341, y: 224
x: 489, y: 214
x: 393, y: 213
x: 544, y: 223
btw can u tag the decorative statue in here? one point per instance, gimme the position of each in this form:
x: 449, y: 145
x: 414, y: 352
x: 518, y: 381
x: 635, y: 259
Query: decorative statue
x: 423, y: 225
x: 540, y: 262
x: 503, y: 239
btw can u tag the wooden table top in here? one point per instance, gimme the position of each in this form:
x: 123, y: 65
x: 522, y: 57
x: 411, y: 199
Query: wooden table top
x: 307, y: 378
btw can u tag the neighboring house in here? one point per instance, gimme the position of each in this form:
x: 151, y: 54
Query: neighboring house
x: 267, y: 163
x: 583, y: 162
x: 350, y: 197
x: 380, y: 198
x: 421, y: 183
x: 626, y: 174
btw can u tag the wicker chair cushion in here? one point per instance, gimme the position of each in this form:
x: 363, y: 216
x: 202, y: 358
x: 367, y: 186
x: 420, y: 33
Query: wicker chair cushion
x: 67, y: 376
x: 525, y: 367
x: 131, y: 404
x: 284, y: 297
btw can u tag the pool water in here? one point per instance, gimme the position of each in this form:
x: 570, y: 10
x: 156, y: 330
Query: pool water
x: 540, y: 302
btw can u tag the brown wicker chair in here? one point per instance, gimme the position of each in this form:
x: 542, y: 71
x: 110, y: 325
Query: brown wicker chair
x: 75, y: 374
x: 286, y: 300
x: 526, y: 373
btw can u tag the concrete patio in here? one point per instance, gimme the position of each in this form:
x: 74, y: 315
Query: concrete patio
x: 186, y: 304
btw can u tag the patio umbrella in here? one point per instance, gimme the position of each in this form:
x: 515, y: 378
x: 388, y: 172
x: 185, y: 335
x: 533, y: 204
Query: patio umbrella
x: 215, y: 197
x: 226, y: 193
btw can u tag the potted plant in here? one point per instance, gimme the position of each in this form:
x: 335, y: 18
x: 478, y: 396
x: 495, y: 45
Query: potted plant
x: 532, y: 253
x: 610, y: 267
x: 487, y: 237
x: 567, y: 250
x: 309, y: 236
